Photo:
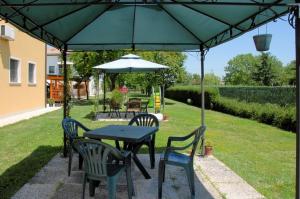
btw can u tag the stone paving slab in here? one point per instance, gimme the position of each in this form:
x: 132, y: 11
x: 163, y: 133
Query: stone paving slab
x: 52, y: 182
x: 212, y: 180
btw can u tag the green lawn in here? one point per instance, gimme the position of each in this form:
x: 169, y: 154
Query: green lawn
x: 263, y: 155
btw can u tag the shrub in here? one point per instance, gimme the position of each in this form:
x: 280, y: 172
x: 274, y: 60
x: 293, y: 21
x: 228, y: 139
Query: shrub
x: 282, y: 95
x: 193, y: 93
x: 281, y: 117
x: 116, y: 96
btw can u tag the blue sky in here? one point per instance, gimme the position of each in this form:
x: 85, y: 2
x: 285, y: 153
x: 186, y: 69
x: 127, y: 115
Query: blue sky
x: 282, y: 46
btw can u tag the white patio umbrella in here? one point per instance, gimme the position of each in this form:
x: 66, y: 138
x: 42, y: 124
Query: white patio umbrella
x: 130, y: 63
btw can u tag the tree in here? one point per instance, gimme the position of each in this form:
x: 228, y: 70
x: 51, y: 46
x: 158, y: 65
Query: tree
x: 196, y: 78
x: 211, y: 79
x: 83, y: 64
x: 239, y: 70
x: 268, y: 71
x: 290, y: 73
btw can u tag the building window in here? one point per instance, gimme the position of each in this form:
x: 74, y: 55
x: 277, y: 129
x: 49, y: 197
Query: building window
x: 14, y: 71
x: 31, y: 73
x: 51, y: 70
x: 61, y: 69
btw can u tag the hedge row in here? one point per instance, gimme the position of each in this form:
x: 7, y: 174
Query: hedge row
x: 283, y: 96
x: 273, y: 114
x: 192, y: 95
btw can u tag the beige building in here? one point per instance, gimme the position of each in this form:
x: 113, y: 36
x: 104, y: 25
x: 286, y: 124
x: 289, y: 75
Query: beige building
x: 22, y: 71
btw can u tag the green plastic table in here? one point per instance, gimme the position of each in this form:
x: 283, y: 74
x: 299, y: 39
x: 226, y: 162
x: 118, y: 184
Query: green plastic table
x: 134, y: 135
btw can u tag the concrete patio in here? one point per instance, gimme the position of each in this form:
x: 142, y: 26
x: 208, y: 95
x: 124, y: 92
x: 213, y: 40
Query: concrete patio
x: 53, y: 182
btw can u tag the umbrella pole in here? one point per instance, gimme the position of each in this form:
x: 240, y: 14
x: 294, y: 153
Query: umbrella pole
x: 104, y: 93
x: 202, y: 54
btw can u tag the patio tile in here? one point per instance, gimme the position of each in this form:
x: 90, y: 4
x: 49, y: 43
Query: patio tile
x: 212, y: 180
x: 35, y: 191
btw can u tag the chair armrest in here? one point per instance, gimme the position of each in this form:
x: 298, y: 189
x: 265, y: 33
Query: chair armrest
x: 83, y: 127
x: 172, y: 138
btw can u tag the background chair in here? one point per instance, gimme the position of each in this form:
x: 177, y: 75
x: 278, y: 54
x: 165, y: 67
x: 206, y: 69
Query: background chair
x: 70, y: 127
x: 134, y: 105
x: 172, y: 157
x: 151, y: 121
x: 103, y: 160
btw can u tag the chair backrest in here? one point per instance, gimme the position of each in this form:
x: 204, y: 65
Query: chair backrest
x: 70, y: 127
x: 134, y: 103
x: 199, y: 133
x: 144, y: 120
x: 100, y: 159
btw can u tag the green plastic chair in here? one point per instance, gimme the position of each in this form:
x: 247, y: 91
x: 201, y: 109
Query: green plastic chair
x: 103, y: 160
x: 172, y: 157
x: 147, y: 120
x: 70, y: 127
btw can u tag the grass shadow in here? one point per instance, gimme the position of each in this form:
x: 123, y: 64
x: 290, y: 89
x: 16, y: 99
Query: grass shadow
x: 19, y: 174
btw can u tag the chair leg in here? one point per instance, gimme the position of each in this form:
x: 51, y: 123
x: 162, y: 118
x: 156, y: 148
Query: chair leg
x: 80, y: 161
x: 70, y: 161
x: 153, y: 151
x: 160, y: 177
x: 190, y: 176
x: 83, y: 186
x: 164, y: 172
x: 129, y: 183
x: 92, y: 188
x: 112, y: 187
x: 151, y: 154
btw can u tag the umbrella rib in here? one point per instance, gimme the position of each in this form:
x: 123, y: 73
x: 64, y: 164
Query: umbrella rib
x: 33, y: 22
x: 182, y: 25
x: 244, y: 20
x: 91, y: 21
x: 133, y: 27
x: 66, y: 14
x: 208, y: 15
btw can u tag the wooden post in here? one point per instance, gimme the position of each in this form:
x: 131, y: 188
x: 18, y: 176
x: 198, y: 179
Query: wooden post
x: 64, y: 54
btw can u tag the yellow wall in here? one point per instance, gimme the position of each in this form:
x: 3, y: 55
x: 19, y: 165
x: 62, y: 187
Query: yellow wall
x: 18, y: 98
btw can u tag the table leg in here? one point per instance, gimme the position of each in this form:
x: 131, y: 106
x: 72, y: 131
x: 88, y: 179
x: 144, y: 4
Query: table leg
x: 138, y: 163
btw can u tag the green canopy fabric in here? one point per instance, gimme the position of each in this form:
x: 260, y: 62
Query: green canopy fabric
x: 140, y: 24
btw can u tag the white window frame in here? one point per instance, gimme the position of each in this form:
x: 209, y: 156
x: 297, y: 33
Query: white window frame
x: 19, y: 70
x: 48, y: 72
x: 34, y: 72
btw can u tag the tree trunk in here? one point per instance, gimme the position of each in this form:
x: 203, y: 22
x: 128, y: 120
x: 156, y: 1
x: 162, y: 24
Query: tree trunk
x: 78, y: 90
x: 113, y: 79
x: 86, y: 89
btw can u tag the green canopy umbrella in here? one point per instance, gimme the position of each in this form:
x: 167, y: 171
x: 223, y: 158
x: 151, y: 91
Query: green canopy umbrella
x: 148, y: 25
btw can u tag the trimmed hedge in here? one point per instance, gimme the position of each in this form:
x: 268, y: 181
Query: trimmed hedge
x: 273, y: 114
x: 282, y: 95
x: 183, y: 93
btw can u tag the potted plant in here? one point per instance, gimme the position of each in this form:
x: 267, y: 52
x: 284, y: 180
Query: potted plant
x: 262, y: 42
x: 208, y: 149
x: 116, y: 98
x: 51, y: 102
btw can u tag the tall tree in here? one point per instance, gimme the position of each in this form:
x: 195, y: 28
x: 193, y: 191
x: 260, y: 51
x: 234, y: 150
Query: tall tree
x: 83, y: 64
x: 290, y: 73
x: 268, y: 71
x: 211, y: 79
x: 239, y: 70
